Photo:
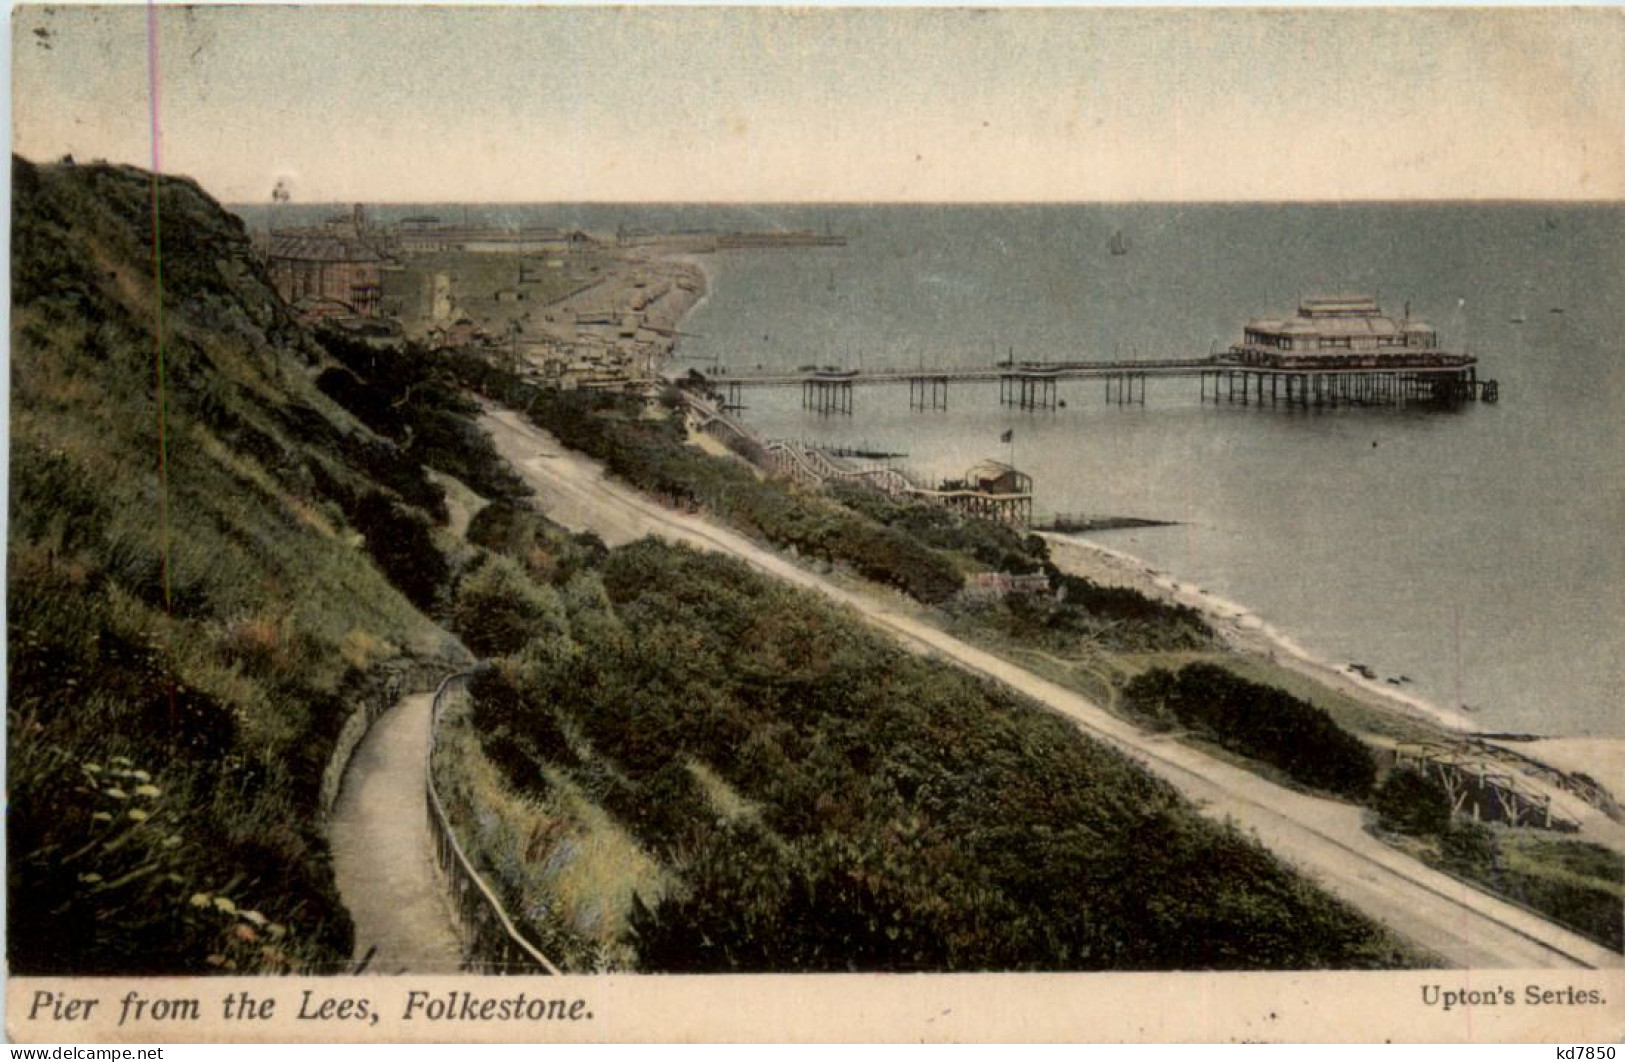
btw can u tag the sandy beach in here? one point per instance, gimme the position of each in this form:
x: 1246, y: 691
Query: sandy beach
x: 1246, y: 632
x: 1242, y: 629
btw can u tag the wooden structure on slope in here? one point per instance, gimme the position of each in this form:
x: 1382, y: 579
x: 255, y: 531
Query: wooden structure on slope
x: 1481, y: 788
x: 989, y: 491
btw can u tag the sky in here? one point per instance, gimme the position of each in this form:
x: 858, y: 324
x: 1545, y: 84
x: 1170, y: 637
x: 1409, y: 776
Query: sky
x: 435, y: 104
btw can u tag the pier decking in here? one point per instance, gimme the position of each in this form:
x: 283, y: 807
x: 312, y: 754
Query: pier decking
x: 1033, y: 386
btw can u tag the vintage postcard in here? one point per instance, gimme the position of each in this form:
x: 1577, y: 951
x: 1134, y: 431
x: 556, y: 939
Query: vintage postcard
x: 795, y: 524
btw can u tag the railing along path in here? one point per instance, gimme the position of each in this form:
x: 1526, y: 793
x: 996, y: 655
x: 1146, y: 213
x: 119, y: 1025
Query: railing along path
x: 492, y: 942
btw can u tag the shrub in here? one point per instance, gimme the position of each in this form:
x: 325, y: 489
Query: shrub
x: 902, y: 816
x: 1258, y: 721
x: 1469, y: 849
x: 1410, y: 802
x: 498, y: 608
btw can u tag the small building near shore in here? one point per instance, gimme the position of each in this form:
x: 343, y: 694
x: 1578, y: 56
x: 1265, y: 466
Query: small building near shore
x: 994, y: 477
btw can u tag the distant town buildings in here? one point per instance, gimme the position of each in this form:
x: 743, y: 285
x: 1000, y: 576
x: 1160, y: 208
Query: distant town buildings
x: 335, y: 270
x: 327, y: 276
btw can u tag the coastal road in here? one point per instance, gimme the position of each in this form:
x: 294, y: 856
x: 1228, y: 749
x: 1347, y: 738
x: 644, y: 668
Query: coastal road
x: 1322, y: 838
x: 383, y: 853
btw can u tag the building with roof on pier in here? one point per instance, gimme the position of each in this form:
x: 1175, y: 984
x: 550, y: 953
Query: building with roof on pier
x: 1343, y: 331
x: 1343, y: 350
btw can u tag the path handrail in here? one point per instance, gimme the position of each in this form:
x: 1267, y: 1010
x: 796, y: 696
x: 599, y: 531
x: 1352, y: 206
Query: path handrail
x: 494, y: 944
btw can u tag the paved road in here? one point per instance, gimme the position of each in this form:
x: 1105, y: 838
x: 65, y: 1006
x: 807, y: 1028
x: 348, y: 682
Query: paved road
x: 1322, y: 838
x: 382, y: 850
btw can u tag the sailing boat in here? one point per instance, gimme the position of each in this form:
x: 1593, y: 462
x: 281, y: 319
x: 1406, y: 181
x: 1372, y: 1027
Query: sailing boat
x: 1119, y: 244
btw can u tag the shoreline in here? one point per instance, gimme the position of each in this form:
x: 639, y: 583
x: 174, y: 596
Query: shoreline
x: 1243, y: 630
x: 1238, y: 627
x: 1248, y: 634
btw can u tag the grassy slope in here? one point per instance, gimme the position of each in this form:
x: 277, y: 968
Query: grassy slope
x: 169, y: 726
x: 785, y: 790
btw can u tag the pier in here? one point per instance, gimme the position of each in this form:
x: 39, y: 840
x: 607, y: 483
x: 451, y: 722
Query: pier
x: 1332, y: 387
x: 1338, y: 350
x: 928, y: 392
x: 1439, y: 380
x: 824, y: 392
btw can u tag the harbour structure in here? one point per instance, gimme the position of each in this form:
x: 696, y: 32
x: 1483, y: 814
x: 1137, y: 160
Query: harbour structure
x: 427, y: 235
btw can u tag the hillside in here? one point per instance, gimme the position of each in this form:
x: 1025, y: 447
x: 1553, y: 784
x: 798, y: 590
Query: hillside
x: 681, y: 765
x: 197, y: 595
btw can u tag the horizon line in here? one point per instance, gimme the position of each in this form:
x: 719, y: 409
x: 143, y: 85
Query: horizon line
x: 1361, y: 201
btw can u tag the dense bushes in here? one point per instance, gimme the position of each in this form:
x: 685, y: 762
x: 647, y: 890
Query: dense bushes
x: 1581, y: 885
x: 398, y: 539
x: 996, y: 545
x: 412, y: 397
x: 877, y: 811
x: 1258, y: 721
x: 498, y: 608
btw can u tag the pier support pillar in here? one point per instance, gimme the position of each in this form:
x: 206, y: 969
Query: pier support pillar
x: 928, y: 392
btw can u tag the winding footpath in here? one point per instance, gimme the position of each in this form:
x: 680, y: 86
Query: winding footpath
x: 1322, y: 838
x: 383, y: 853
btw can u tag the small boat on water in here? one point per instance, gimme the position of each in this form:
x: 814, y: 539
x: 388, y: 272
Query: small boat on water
x: 1519, y: 319
x: 1119, y: 244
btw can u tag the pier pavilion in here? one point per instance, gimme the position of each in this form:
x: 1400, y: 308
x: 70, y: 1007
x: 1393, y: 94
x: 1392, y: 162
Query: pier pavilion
x: 1341, y: 350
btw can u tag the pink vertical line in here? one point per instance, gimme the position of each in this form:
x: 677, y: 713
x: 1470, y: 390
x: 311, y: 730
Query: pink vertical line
x: 158, y: 331
x: 152, y: 86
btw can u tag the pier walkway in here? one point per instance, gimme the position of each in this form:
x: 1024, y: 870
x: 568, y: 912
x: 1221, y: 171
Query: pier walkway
x: 1065, y: 370
x: 1303, y: 382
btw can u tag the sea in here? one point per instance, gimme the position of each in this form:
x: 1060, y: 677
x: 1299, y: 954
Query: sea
x: 1476, y: 553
